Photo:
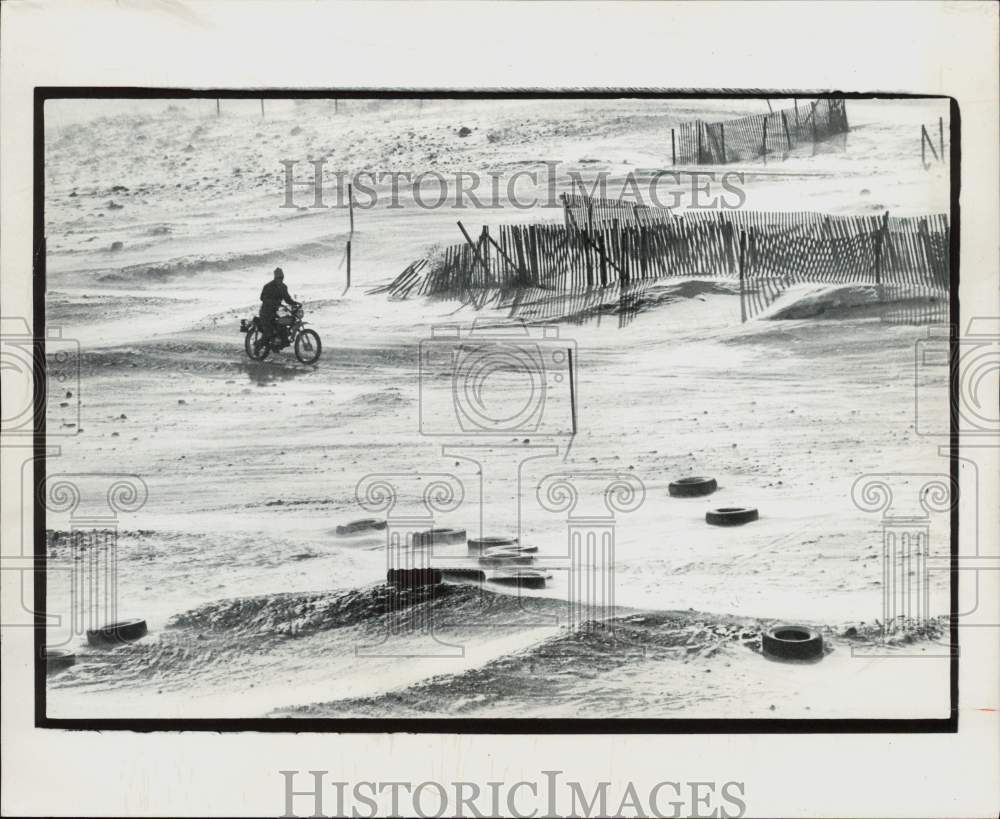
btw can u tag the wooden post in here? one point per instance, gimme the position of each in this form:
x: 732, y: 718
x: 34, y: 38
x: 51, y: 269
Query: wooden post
x: 925, y: 246
x: 769, y: 108
x: 350, y: 205
x: 813, y: 115
x: 261, y: 107
x: 475, y: 250
x: 941, y: 136
x: 484, y: 238
x: 795, y: 102
x: 926, y: 138
x: 923, y: 147
x: 604, y: 260
x: 879, y: 245
x: 348, y: 266
x: 500, y: 250
x: 698, y: 124
x: 788, y: 138
x: 218, y: 108
x: 743, y: 253
x: 673, y: 147
x: 722, y: 137
x: 336, y: 105
x: 763, y: 146
x: 726, y: 229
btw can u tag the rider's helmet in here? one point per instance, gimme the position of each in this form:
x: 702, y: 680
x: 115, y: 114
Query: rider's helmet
x: 279, y: 273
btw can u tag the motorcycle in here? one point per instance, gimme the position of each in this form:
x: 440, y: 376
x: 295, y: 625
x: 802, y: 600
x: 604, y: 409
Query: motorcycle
x: 289, y: 329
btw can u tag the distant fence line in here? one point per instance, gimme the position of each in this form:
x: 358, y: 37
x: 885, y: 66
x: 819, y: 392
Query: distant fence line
x: 759, y: 135
x: 606, y: 250
x: 926, y: 142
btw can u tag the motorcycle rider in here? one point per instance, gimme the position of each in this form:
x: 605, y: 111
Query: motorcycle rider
x: 271, y: 296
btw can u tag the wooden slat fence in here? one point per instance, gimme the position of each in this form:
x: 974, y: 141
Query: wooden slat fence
x: 760, y: 135
x: 550, y: 271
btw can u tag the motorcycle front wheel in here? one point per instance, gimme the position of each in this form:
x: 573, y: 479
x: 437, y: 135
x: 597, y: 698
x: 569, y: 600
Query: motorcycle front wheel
x: 254, y: 345
x: 308, y: 346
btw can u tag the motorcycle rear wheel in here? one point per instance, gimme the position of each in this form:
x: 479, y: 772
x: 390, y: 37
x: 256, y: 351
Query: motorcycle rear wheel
x: 308, y: 347
x: 254, y: 345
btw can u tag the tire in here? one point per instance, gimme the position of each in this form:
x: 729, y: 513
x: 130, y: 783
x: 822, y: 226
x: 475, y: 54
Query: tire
x: 513, y: 547
x: 124, y: 631
x: 255, y: 351
x: 308, y: 347
x: 506, y: 558
x: 692, y: 487
x: 478, y: 545
x: 437, y: 537
x: 792, y: 643
x: 58, y: 659
x: 459, y: 574
x: 412, y: 578
x: 363, y: 525
x: 731, y: 516
x: 521, y: 578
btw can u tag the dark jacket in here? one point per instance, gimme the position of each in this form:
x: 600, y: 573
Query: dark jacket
x: 273, y: 294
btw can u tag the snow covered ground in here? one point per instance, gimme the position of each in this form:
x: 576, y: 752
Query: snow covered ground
x: 256, y: 606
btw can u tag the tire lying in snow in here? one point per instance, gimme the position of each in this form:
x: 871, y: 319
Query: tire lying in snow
x: 57, y: 659
x: 522, y: 578
x: 792, y: 643
x: 436, y: 537
x: 124, y: 631
x: 411, y: 578
x: 363, y: 525
x: 459, y: 574
x: 500, y: 557
x: 731, y: 516
x: 478, y: 545
x: 692, y: 487
x: 519, y: 548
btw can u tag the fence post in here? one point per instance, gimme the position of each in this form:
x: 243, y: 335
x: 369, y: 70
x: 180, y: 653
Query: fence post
x: 788, y: 139
x: 813, y: 115
x: 348, y: 287
x: 698, y: 123
x: 923, y: 147
x: 486, y: 256
x: 501, y: 251
x: 925, y: 138
x: 925, y: 245
x: 475, y: 250
x: 796, y: 104
x: 673, y: 147
x: 743, y: 248
x: 218, y: 108
x: 728, y: 237
x: 879, y: 245
x: 941, y: 136
x: 722, y: 137
x: 350, y: 236
x: 764, y: 143
x: 604, y: 259
x: 261, y: 107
